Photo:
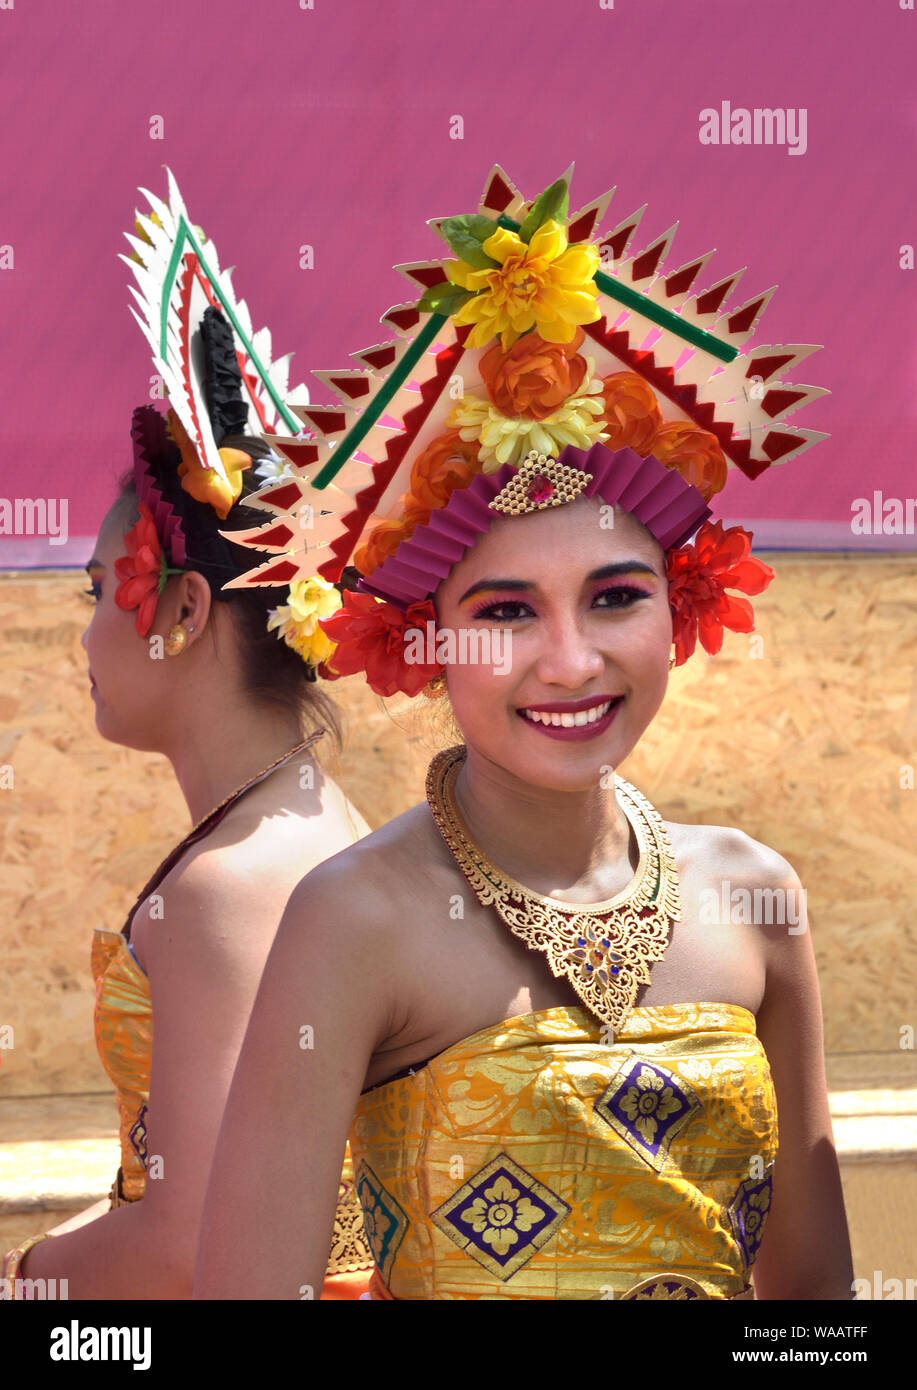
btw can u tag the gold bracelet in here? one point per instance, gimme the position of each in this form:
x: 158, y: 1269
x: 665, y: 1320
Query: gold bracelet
x: 13, y: 1260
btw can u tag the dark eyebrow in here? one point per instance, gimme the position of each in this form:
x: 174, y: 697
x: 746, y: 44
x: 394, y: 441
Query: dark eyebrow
x: 93, y: 564
x: 606, y: 572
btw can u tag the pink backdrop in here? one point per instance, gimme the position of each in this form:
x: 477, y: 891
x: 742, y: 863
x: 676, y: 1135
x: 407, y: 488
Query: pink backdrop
x: 331, y: 126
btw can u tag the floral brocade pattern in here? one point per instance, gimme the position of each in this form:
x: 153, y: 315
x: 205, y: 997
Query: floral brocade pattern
x: 124, y: 1038
x: 532, y: 1160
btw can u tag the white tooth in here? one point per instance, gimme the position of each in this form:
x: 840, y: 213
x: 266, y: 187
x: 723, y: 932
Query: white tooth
x: 568, y: 721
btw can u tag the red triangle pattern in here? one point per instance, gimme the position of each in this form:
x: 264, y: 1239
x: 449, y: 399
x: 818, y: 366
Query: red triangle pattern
x: 281, y: 534
x: 646, y: 264
x: 776, y: 445
x: 300, y: 455
x: 428, y: 275
x: 325, y: 418
x: 682, y: 280
x: 395, y: 450
x: 497, y: 195
x: 766, y: 366
x: 776, y: 401
x: 253, y: 382
x: 712, y: 300
x: 286, y: 495
x: 191, y: 268
x: 618, y: 240
x: 379, y: 358
x: 282, y: 573
x: 404, y: 317
x: 584, y: 226
x: 662, y: 379
x: 742, y: 320
x: 352, y: 386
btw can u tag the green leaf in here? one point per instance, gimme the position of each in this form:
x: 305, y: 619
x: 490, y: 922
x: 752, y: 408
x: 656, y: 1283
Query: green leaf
x: 444, y: 298
x: 465, y: 235
x: 554, y: 203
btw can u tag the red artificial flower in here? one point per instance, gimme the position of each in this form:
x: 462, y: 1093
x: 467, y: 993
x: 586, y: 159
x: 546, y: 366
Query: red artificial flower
x: 370, y: 637
x: 699, y: 574
x: 140, y: 571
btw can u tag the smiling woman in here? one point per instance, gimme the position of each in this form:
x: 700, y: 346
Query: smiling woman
x: 559, y: 1078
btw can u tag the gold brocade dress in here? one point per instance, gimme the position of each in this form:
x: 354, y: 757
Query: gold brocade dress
x: 124, y: 1038
x: 532, y: 1160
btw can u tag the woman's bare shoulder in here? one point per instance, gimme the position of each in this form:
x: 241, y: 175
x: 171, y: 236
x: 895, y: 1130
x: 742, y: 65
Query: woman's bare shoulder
x: 385, y: 867
x: 727, y: 851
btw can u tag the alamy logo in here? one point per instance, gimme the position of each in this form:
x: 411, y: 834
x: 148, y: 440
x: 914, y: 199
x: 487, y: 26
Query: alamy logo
x: 753, y: 907
x: 883, y: 516
x: 464, y: 647
x: 763, y: 125
x: 75, y: 1343
x: 35, y: 516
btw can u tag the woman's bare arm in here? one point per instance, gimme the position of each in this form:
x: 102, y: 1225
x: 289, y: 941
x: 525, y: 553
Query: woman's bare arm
x: 324, y: 1004
x: 82, y: 1218
x: 805, y: 1250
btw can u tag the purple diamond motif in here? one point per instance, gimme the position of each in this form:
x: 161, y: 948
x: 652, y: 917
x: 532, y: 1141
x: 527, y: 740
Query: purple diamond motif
x: 647, y: 1106
x: 138, y: 1136
x: 501, y: 1216
x: 748, y: 1213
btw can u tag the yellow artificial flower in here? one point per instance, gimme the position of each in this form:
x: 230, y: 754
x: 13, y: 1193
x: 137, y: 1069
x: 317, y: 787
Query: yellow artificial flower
x: 508, y: 438
x: 297, y: 620
x: 547, y: 285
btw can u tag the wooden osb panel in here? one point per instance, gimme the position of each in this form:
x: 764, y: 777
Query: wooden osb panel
x: 797, y: 734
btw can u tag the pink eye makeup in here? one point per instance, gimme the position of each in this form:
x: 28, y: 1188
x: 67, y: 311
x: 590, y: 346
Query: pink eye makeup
x: 491, y: 608
x: 623, y: 595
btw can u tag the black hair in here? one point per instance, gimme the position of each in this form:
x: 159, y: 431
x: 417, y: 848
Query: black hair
x: 273, y: 672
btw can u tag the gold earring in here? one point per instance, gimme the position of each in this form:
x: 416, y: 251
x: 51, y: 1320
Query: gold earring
x: 436, y: 687
x: 176, y: 641
x: 671, y: 661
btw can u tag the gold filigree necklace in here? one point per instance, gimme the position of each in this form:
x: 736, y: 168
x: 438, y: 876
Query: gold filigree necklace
x: 603, y: 949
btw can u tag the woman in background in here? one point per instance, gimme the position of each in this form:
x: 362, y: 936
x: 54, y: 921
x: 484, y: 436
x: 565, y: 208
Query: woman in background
x: 221, y: 682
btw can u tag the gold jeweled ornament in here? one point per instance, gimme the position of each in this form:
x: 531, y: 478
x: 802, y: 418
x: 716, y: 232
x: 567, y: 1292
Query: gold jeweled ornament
x: 603, y: 949
x: 541, y: 481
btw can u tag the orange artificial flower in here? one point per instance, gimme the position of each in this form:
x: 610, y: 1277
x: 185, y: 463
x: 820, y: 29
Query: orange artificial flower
x: 384, y: 539
x: 447, y: 463
x: 632, y: 414
x: 699, y: 574
x: 534, y: 377
x: 205, y: 484
x: 694, y: 453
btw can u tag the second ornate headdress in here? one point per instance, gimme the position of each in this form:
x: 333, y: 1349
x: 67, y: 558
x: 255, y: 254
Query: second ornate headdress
x: 222, y: 383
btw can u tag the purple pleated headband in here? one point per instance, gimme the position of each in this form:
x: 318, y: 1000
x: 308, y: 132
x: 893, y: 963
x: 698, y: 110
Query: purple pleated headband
x: 670, y: 508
